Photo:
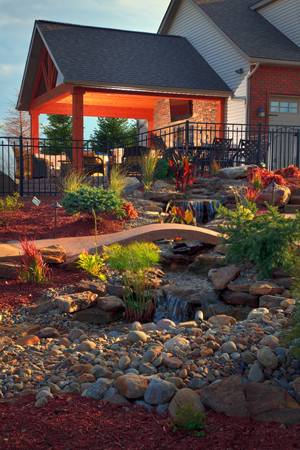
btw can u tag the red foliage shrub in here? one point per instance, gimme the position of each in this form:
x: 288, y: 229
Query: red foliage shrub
x: 252, y: 194
x: 130, y: 211
x: 266, y: 176
x: 289, y: 172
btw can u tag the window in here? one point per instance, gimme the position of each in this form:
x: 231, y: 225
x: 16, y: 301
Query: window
x: 284, y: 107
x: 179, y: 109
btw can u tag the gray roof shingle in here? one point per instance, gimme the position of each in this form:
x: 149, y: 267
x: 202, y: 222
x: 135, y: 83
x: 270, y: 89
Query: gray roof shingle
x: 126, y: 57
x: 249, y: 30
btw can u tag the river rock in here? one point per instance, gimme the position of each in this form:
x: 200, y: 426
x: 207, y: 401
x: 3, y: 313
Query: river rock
x: 48, y: 332
x: 269, y: 340
x: 137, y: 336
x: 131, y: 386
x: 255, y: 374
x: 269, y: 301
x: 226, y: 396
x: 183, y: 398
x: 54, y: 254
x: 86, y: 346
x: 76, y: 302
x: 116, y: 399
x: 257, y: 313
x: 97, y: 389
x: 177, y: 342
x: 159, y: 392
x: 164, y: 323
x: 287, y: 302
x: 265, y: 288
x: 222, y: 320
x: 95, y: 286
x: 222, y: 277
x: 5, y: 342
x: 229, y: 347
x: 267, y: 358
x: 110, y: 303
x: 75, y: 334
x: 27, y: 340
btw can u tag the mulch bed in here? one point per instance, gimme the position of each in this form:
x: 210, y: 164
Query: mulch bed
x: 37, y: 222
x: 15, y: 293
x: 70, y: 423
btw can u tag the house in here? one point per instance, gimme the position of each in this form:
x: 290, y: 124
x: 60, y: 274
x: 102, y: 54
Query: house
x: 254, y: 46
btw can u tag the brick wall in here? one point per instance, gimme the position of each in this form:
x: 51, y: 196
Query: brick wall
x: 271, y: 81
x: 202, y: 111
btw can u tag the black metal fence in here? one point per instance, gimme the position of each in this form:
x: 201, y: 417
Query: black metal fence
x: 37, y: 166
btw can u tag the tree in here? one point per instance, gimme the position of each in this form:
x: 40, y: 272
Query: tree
x: 58, y: 132
x: 114, y: 129
x: 16, y: 123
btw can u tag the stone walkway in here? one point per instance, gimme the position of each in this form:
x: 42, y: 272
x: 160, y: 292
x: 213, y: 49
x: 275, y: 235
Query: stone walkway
x: 75, y: 245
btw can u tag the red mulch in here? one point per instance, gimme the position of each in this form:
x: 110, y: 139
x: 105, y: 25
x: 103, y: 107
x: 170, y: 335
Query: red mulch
x: 293, y: 183
x: 15, y: 293
x: 37, y: 222
x: 70, y: 423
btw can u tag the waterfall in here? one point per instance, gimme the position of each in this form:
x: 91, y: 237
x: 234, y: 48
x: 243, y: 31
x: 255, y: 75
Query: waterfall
x: 171, y: 308
x: 210, y: 208
x: 199, y: 208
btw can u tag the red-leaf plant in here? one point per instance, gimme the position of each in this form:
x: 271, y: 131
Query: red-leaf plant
x: 33, y: 269
x: 182, y: 170
x: 130, y: 211
x: 266, y: 176
x: 252, y: 194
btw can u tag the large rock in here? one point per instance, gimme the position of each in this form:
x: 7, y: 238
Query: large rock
x: 226, y: 396
x: 271, y: 404
x: 131, y: 386
x: 137, y: 336
x: 282, y: 196
x: 159, y: 392
x: 183, y: 398
x: 177, y: 342
x: 241, y: 284
x: 21, y: 329
x: 97, y: 389
x: 76, y: 302
x: 48, y: 332
x: 9, y: 270
x: 5, y: 342
x: 97, y: 315
x: 233, y: 173
x: 27, y: 340
x: 222, y: 277
x: 222, y: 320
x: 110, y: 303
x: 206, y: 261
x: 41, y: 307
x: 116, y: 289
x: 240, y: 298
x: 265, y: 288
x: 269, y: 301
x: 95, y: 286
x: 54, y: 254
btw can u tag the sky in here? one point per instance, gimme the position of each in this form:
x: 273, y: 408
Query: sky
x: 17, y: 20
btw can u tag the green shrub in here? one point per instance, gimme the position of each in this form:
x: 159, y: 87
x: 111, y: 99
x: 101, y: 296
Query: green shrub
x: 7, y: 207
x: 268, y: 240
x: 163, y: 170
x: 189, y: 420
x: 86, y: 199
x: 134, y: 262
x: 73, y: 181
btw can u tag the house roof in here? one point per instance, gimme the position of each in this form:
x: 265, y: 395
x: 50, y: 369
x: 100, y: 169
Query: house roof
x: 103, y: 57
x: 249, y: 30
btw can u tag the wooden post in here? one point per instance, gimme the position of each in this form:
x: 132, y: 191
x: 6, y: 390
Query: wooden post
x: 77, y: 111
x: 34, y: 148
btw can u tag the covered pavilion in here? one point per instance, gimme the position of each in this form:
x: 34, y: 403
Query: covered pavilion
x: 88, y: 71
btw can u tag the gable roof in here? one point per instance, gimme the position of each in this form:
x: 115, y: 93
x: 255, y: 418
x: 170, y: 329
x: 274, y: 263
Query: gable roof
x: 103, y: 57
x: 247, y: 29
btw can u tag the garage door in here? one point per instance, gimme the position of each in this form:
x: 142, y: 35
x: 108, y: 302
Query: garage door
x: 284, y: 123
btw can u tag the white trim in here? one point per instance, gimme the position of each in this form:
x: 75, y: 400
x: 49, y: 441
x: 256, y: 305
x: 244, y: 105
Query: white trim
x: 261, y: 4
x: 275, y: 62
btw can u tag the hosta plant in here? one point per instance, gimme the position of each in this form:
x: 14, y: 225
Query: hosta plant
x: 183, y: 171
x: 32, y: 267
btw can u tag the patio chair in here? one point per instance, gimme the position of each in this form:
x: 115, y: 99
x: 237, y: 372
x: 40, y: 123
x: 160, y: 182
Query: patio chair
x: 247, y: 152
x: 92, y: 163
x: 39, y: 167
x: 219, y: 151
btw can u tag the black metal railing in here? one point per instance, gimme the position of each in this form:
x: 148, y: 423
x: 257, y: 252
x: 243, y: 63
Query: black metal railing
x: 36, y: 166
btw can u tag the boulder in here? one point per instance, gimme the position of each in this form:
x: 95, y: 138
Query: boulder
x: 222, y: 320
x: 222, y: 277
x: 241, y: 284
x: 110, y: 303
x: 287, y: 282
x: 271, y: 404
x: 54, y: 254
x: 116, y: 399
x: 95, y: 286
x: 97, y: 389
x: 267, y: 358
x: 10, y: 253
x: 234, y: 173
x: 97, y: 315
x: 269, y: 301
x: 48, y: 332
x: 183, y: 398
x: 41, y: 307
x: 265, y: 288
x: 159, y: 392
x: 226, y: 396
x: 116, y: 290
x: 240, y: 298
x: 282, y: 196
x: 206, y: 261
x: 27, y: 340
x: 5, y: 342
x: 131, y: 386
x: 9, y: 270
x: 76, y: 302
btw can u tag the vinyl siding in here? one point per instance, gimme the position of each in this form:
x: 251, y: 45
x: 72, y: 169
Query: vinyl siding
x: 284, y: 15
x: 215, y: 49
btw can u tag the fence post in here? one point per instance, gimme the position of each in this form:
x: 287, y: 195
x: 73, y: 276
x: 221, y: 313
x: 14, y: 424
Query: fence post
x: 21, y: 166
x: 298, y: 148
x: 108, y: 145
x: 186, y: 138
x: 258, y: 156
